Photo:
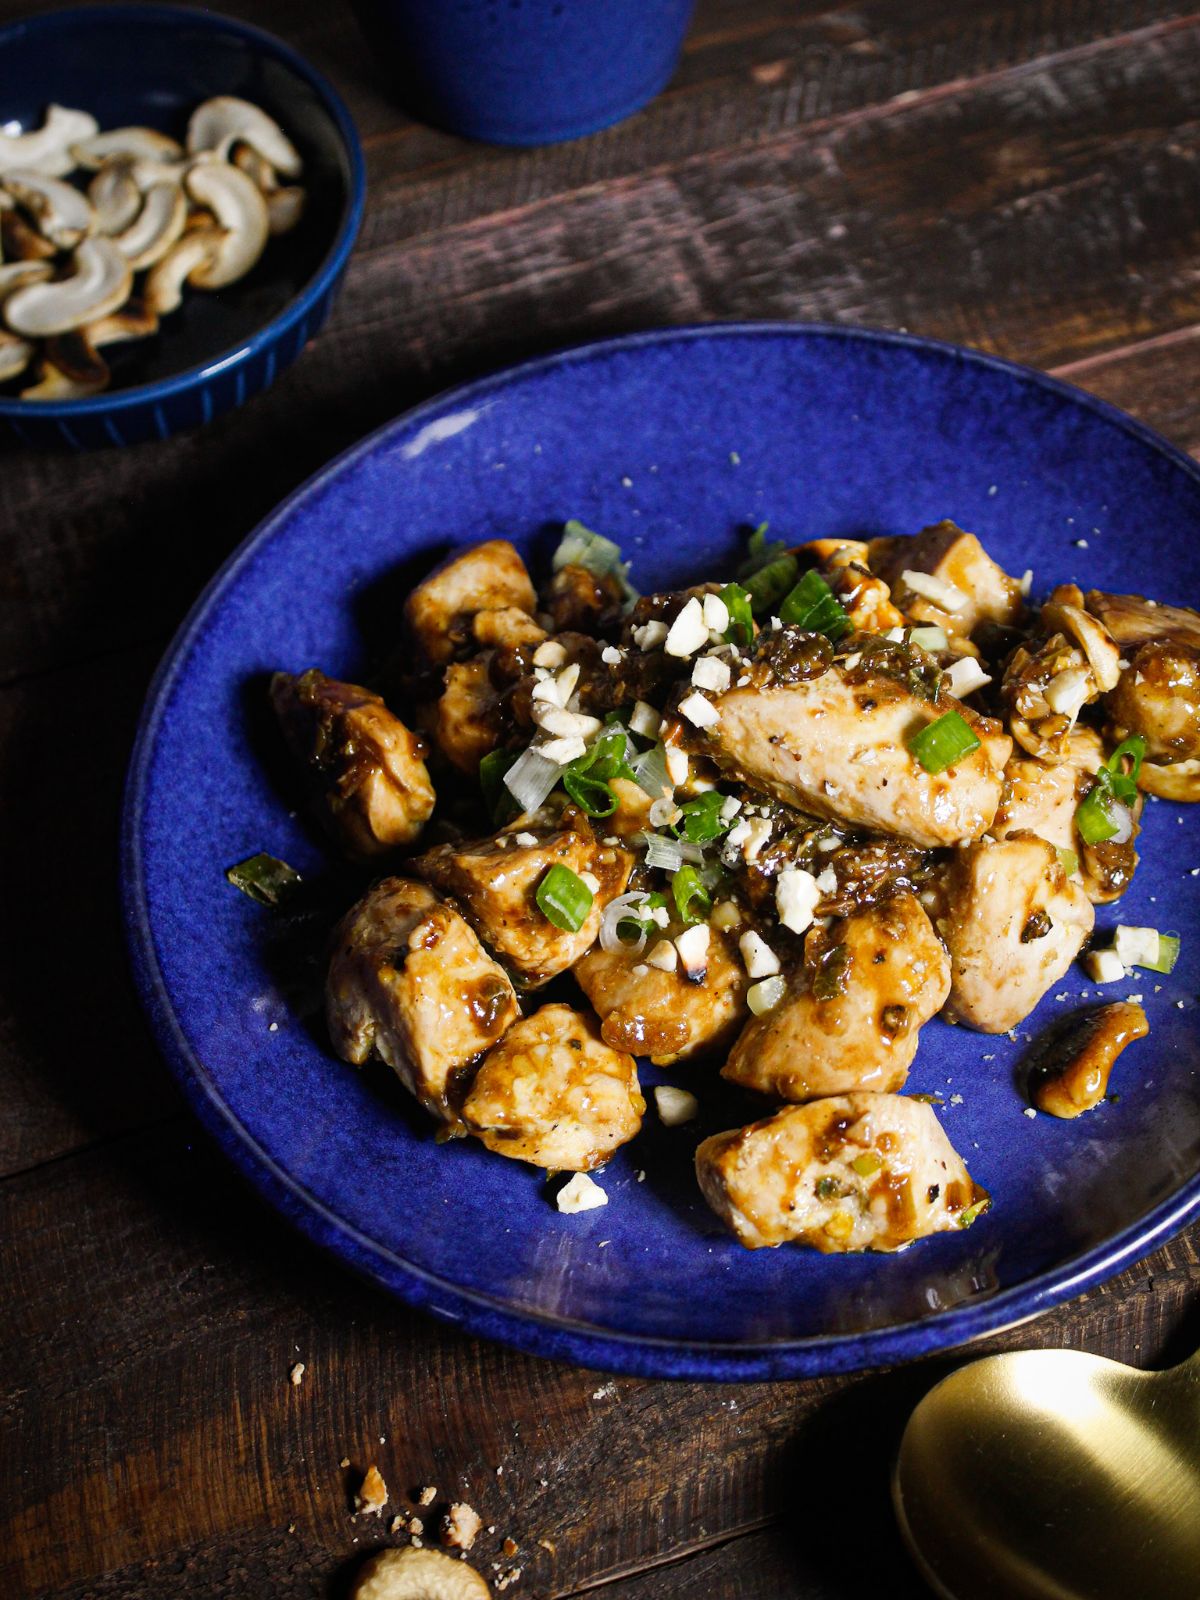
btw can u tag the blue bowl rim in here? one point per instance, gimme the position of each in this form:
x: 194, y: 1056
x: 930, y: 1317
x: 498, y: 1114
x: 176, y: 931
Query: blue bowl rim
x: 535, y: 1332
x: 328, y: 271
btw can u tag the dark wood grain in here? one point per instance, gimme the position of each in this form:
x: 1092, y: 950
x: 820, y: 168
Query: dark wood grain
x: 1016, y: 174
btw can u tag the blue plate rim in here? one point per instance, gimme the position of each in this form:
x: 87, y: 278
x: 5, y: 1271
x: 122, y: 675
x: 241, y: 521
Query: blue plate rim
x: 639, y: 1355
x: 328, y: 270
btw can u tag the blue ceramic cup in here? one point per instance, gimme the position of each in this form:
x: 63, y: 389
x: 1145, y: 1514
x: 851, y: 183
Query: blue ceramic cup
x: 525, y: 71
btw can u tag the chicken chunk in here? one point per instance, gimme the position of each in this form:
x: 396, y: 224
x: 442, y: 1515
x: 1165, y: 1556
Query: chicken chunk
x: 1041, y: 799
x: 857, y: 1172
x: 1013, y: 924
x: 1158, y: 696
x: 665, y: 1015
x: 441, y: 610
x: 945, y: 553
x: 836, y: 746
x: 496, y: 881
x: 554, y: 1094
x: 852, y: 1013
x: 467, y: 720
x: 374, y: 786
x: 409, y: 980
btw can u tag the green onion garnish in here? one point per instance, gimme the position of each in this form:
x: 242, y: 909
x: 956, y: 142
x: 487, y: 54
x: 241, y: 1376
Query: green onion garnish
x: 691, y: 898
x: 741, y: 618
x: 811, y: 605
x: 701, y: 821
x: 265, y: 878
x: 1168, y: 953
x: 1067, y: 860
x: 769, y: 584
x: 1094, y: 816
x: 942, y: 742
x: 967, y: 1217
x: 580, y: 547
x: 759, y: 553
x: 564, y: 898
x: 591, y: 795
x: 499, y: 802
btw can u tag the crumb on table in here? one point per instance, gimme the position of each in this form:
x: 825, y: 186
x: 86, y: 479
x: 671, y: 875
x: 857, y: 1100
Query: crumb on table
x: 372, y: 1495
x: 460, y: 1526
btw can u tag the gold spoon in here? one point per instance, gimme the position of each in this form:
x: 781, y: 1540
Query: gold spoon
x: 1055, y: 1475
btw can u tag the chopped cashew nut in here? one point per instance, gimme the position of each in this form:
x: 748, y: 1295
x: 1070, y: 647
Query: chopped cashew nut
x: 581, y: 1193
x: 460, y: 1526
x: 372, y: 1495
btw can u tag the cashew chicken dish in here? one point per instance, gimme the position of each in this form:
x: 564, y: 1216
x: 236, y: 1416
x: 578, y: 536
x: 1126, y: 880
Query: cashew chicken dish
x: 767, y: 826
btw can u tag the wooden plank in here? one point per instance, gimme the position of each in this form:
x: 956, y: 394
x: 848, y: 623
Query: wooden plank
x: 76, y: 1062
x: 1003, y: 216
x: 148, y: 1430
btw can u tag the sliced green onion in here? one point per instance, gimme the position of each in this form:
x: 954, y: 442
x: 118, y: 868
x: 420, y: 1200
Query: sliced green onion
x: 866, y: 1165
x: 811, y: 605
x: 701, y: 821
x: 1146, y: 947
x: 1124, y: 784
x: 759, y: 553
x: 691, y: 898
x: 942, y: 742
x: 741, y: 618
x: 650, y: 771
x: 1168, y: 953
x: 608, y: 757
x: 265, y: 878
x: 967, y: 1217
x: 564, y: 898
x: 591, y: 795
x: 931, y: 639
x: 1093, y: 815
x: 492, y: 769
x: 531, y: 778
x: 769, y: 584
x: 663, y: 853
x: 580, y: 547
x: 1067, y: 860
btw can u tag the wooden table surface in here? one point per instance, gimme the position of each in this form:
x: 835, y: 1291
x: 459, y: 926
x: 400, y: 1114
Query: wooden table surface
x: 1018, y: 175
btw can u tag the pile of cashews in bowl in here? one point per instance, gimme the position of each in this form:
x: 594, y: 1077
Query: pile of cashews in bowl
x: 70, y: 257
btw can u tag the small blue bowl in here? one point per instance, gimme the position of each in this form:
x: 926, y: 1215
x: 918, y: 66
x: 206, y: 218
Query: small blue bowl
x: 152, y: 64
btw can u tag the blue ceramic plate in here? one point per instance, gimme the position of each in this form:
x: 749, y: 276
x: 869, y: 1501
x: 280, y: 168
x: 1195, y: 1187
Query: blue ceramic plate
x: 152, y: 64
x: 671, y: 442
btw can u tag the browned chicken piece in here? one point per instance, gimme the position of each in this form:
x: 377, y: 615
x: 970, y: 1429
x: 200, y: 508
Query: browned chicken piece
x: 1042, y: 799
x: 665, y: 1015
x: 554, y: 1094
x: 440, y: 611
x: 836, y: 746
x: 1077, y: 1079
x: 496, y: 880
x: 374, y: 786
x: 409, y: 980
x: 468, y: 721
x: 1158, y: 696
x: 578, y: 600
x: 508, y: 629
x: 852, y: 1013
x: 856, y: 1172
x: 985, y: 592
x: 1013, y: 923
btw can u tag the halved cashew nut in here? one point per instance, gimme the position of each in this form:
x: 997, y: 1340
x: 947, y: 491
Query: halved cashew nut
x: 156, y: 227
x: 413, y: 1574
x: 15, y: 355
x: 47, y: 149
x: 1092, y: 637
x: 143, y: 144
x: 164, y: 285
x: 241, y: 211
x: 115, y: 195
x: 221, y: 123
x: 100, y: 283
x: 63, y: 215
